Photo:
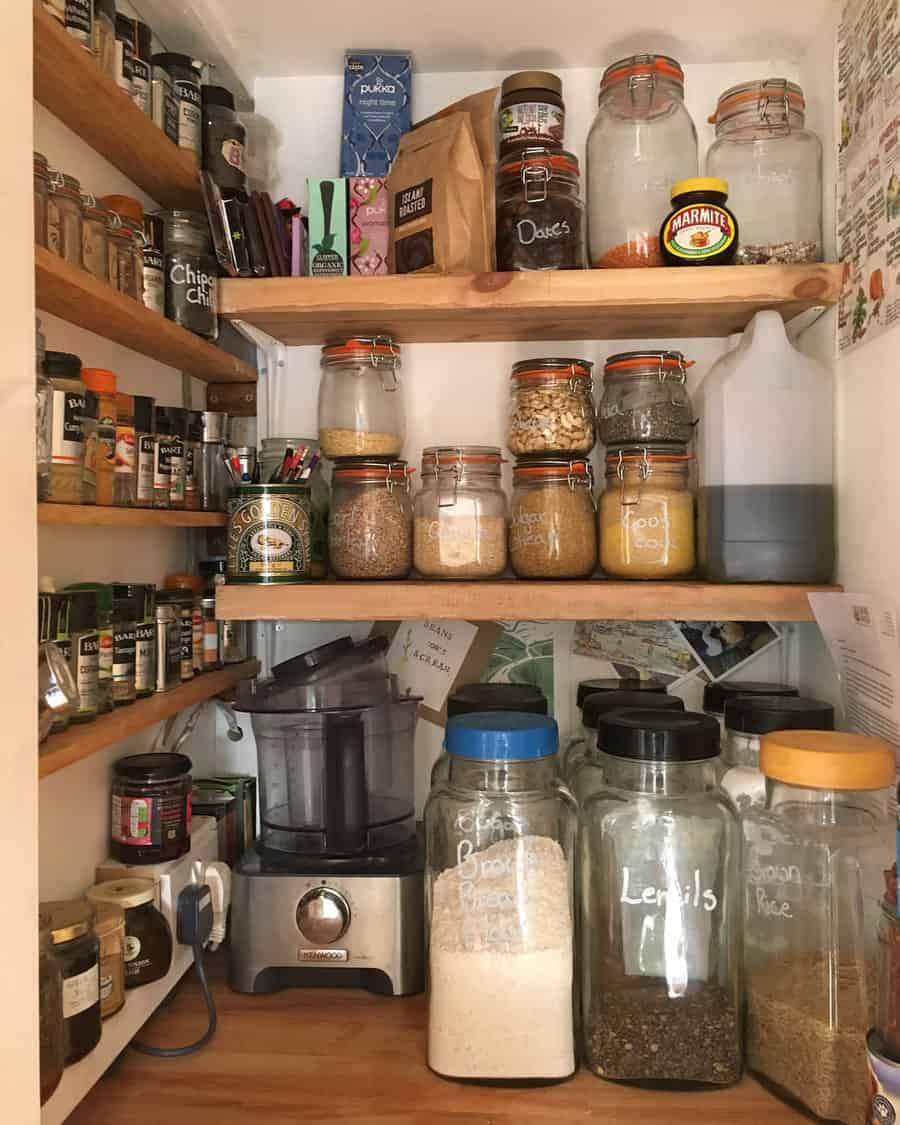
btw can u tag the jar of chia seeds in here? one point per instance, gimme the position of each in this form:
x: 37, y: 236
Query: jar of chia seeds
x: 191, y: 273
x: 269, y: 533
x: 645, y: 399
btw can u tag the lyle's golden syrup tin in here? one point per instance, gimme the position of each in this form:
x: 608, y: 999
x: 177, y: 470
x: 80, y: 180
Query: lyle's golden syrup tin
x: 269, y: 533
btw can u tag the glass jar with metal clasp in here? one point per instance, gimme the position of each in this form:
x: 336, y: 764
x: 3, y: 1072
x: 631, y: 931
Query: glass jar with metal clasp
x: 539, y: 211
x: 370, y: 520
x: 551, y: 407
x: 645, y: 399
x: 360, y: 399
x: 553, y: 530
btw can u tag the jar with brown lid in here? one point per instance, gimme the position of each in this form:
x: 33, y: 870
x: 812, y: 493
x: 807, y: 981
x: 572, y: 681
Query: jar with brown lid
x: 41, y: 190
x: 552, y: 407
x: 103, y: 384
x: 553, y: 528
x: 64, y: 217
x: 539, y: 211
x: 75, y: 948
x: 532, y: 111
x: 370, y: 521
x: 94, y: 250
x: 52, y: 1030
x: 151, y: 807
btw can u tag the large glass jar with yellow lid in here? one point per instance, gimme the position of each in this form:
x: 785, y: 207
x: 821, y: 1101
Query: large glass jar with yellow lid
x: 646, y: 514
x: 552, y: 528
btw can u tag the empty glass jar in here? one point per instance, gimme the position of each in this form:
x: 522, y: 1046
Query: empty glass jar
x: 645, y: 399
x: 553, y: 521
x: 551, y: 407
x: 370, y: 522
x: 360, y: 399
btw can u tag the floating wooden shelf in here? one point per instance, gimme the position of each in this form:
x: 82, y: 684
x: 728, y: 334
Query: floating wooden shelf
x: 72, y: 86
x: 78, y: 297
x: 81, y: 740
x: 558, y: 305
x: 515, y: 601
x: 92, y: 515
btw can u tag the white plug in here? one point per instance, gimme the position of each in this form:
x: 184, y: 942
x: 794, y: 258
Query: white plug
x: 217, y: 876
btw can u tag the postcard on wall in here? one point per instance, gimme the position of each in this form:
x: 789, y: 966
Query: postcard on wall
x: 722, y: 647
x: 647, y: 647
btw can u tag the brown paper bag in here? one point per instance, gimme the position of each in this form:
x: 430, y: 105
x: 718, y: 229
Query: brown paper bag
x: 436, y: 196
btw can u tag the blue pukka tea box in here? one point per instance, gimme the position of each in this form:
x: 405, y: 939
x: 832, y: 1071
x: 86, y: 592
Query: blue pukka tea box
x: 376, y: 111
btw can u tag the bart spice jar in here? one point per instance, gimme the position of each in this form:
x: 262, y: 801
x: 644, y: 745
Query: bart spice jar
x: 182, y: 603
x: 186, y: 85
x: 145, y: 450
x: 154, y: 265
x: 140, y: 600
x: 177, y: 459
x: 269, y: 533
x: 84, y: 659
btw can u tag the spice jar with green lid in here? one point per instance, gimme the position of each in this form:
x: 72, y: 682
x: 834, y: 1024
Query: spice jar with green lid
x: 67, y: 452
x: 104, y: 598
x: 64, y: 217
x: 76, y: 951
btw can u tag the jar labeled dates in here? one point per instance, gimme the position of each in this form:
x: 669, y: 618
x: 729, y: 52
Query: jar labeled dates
x: 552, y: 407
x: 645, y: 399
x: 539, y: 211
x: 552, y: 528
x: 531, y: 111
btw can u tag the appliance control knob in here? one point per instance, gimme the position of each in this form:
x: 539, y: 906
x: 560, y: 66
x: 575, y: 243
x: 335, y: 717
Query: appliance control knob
x: 323, y: 916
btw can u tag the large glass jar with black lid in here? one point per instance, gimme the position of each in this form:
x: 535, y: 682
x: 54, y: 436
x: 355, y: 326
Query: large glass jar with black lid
x: 773, y: 165
x: 151, y: 808
x: 360, y: 399
x: 224, y: 137
x: 185, y: 76
x: 77, y: 952
x: 716, y: 695
x: 645, y: 399
x: 459, y: 525
x: 553, y: 518
x: 52, y: 1029
x: 539, y: 211
x: 370, y: 521
x: 64, y: 217
x: 574, y: 749
x: 642, y: 141
x: 661, y: 906
x: 551, y: 407
x: 191, y: 273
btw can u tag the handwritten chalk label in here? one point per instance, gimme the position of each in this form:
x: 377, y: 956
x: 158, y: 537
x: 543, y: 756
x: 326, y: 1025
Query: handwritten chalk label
x: 691, y: 894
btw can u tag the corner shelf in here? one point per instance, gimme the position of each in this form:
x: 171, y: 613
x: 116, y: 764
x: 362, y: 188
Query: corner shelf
x: 80, y: 298
x: 69, y: 83
x: 81, y: 740
x: 555, y: 305
x: 93, y: 515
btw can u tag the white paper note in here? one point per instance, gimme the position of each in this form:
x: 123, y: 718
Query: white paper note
x: 426, y: 657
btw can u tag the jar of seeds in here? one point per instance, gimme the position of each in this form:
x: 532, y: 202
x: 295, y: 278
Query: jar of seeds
x: 552, y: 407
x: 370, y: 522
x: 360, y: 399
x: 552, y: 530
x: 645, y: 399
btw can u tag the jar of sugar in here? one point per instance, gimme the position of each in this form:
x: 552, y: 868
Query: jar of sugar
x: 500, y: 834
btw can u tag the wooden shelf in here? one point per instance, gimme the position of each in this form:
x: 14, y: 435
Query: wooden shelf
x: 91, y: 515
x: 515, y: 601
x: 72, y: 86
x: 78, y: 297
x: 561, y: 305
x: 81, y: 740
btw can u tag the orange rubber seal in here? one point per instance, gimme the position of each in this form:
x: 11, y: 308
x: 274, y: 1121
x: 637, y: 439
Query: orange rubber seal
x: 650, y: 361
x: 657, y: 66
x: 796, y: 101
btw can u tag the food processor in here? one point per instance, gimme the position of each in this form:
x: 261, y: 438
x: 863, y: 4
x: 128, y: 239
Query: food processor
x: 332, y: 892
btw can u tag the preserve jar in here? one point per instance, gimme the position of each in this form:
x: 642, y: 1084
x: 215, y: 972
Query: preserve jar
x: 370, y: 522
x: 645, y: 399
x: 192, y: 272
x: 151, y: 808
x: 641, y: 142
x: 747, y: 719
x: 661, y: 906
x: 148, y: 936
x: 41, y: 190
x: 52, y: 1029
x: 716, y: 695
x: 773, y: 165
x: 76, y: 952
x: 553, y: 519
x: 647, y: 513
x: 459, y: 527
x: 539, y: 211
x: 551, y: 407
x: 573, y: 752
x: 64, y: 217
x: 94, y: 251
x: 813, y: 869
x: 360, y: 399
x: 499, y: 873
x: 103, y: 383
x: 532, y: 111
x: 109, y: 926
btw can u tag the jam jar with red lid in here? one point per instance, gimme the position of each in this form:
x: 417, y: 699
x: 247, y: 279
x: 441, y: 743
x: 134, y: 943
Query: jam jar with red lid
x: 539, y: 211
x: 151, y: 808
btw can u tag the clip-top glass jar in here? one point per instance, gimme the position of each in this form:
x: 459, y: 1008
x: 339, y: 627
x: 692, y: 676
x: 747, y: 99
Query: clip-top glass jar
x: 460, y: 513
x: 192, y: 272
x: 499, y: 836
x: 645, y: 399
x: 539, y: 211
x: 642, y: 141
x: 64, y: 217
x: 553, y: 519
x: 660, y: 861
x: 552, y: 407
x: 94, y: 249
x: 370, y: 521
x: 360, y: 400
x: 647, y: 513
x: 813, y: 864
x: 773, y: 165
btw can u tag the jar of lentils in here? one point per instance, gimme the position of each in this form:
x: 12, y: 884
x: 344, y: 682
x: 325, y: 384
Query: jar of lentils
x: 539, y: 211
x: 370, y: 522
x: 64, y: 217
x: 553, y: 527
x: 645, y: 399
x: 552, y: 407
x: 41, y: 189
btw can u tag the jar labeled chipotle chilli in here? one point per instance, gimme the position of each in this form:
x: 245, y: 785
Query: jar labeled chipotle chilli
x: 532, y: 111
x: 552, y: 407
x: 539, y: 211
x: 151, y: 808
x: 645, y: 399
x: 552, y: 528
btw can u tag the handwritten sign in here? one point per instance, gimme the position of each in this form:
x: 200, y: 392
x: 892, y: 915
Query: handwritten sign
x: 426, y: 657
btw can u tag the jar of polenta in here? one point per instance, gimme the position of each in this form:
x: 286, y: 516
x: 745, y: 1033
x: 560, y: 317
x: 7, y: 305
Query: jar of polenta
x: 646, y: 513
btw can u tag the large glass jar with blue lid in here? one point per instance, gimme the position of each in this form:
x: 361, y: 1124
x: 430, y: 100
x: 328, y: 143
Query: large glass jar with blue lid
x: 500, y: 834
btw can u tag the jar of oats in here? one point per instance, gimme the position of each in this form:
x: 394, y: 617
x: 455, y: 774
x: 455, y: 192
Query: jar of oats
x: 370, y: 522
x: 460, y: 513
x: 553, y: 527
x: 552, y: 409
x: 360, y: 399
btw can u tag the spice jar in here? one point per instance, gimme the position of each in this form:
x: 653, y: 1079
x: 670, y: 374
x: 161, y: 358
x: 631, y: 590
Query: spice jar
x: 123, y: 684
x: 43, y: 417
x: 148, y: 937
x: 125, y: 469
x: 76, y: 952
x: 137, y: 603
x: 145, y: 450
x: 64, y: 217
x: 539, y: 211
x: 67, y: 442
x: 813, y: 863
x: 84, y: 658
x: 154, y: 265
x: 647, y: 513
x: 499, y: 843
x: 360, y: 401
x: 370, y: 522
x: 103, y: 384
x: 700, y: 230
x: 124, y: 53
x: 141, y: 64
x: 94, y: 251
x: 773, y: 166
x: 191, y: 273
x: 109, y: 926
x: 532, y: 111
x: 224, y: 138
x: 661, y: 910
x: 572, y: 754
x: 552, y: 407
x: 182, y: 602
x: 459, y: 528
x: 186, y: 82
x: 642, y: 141
x: 213, y: 476
x: 177, y: 416
x: 212, y: 658
x: 168, y: 646
x: 645, y: 399
x: 163, y: 102
x: 104, y: 625
x: 91, y: 448
x: 57, y: 696
x: 553, y: 520
x: 166, y: 445
x: 151, y: 808
x: 193, y: 460
x: 41, y: 190
x: 52, y: 1029
x: 105, y: 36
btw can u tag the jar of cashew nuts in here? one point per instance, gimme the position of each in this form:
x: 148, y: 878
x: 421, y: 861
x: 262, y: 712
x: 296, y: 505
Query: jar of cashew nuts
x: 552, y: 408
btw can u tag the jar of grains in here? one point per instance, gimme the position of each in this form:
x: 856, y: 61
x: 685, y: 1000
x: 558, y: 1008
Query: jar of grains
x: 93, y: 237
x: 552, y: 408
x: 64, y: 217
x: 360, y: 400
x: 460, y: 513
x: 539, y: 211
x: 553, y: 520
x: 645, y: 399
x: 370, y: 522
x: 647, y: 513
x: 41, y: 188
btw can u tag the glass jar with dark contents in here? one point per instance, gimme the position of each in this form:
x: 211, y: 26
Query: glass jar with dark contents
x: 191, y: 273
x: 151, y: 808
x: 52, y: 1032
x: 532, y: 111
x: 148, y: 936
x: 539, y: 211
x: 76, y: 951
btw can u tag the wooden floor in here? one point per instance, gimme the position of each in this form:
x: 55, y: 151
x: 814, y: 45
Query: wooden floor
x: 315, y: 1057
